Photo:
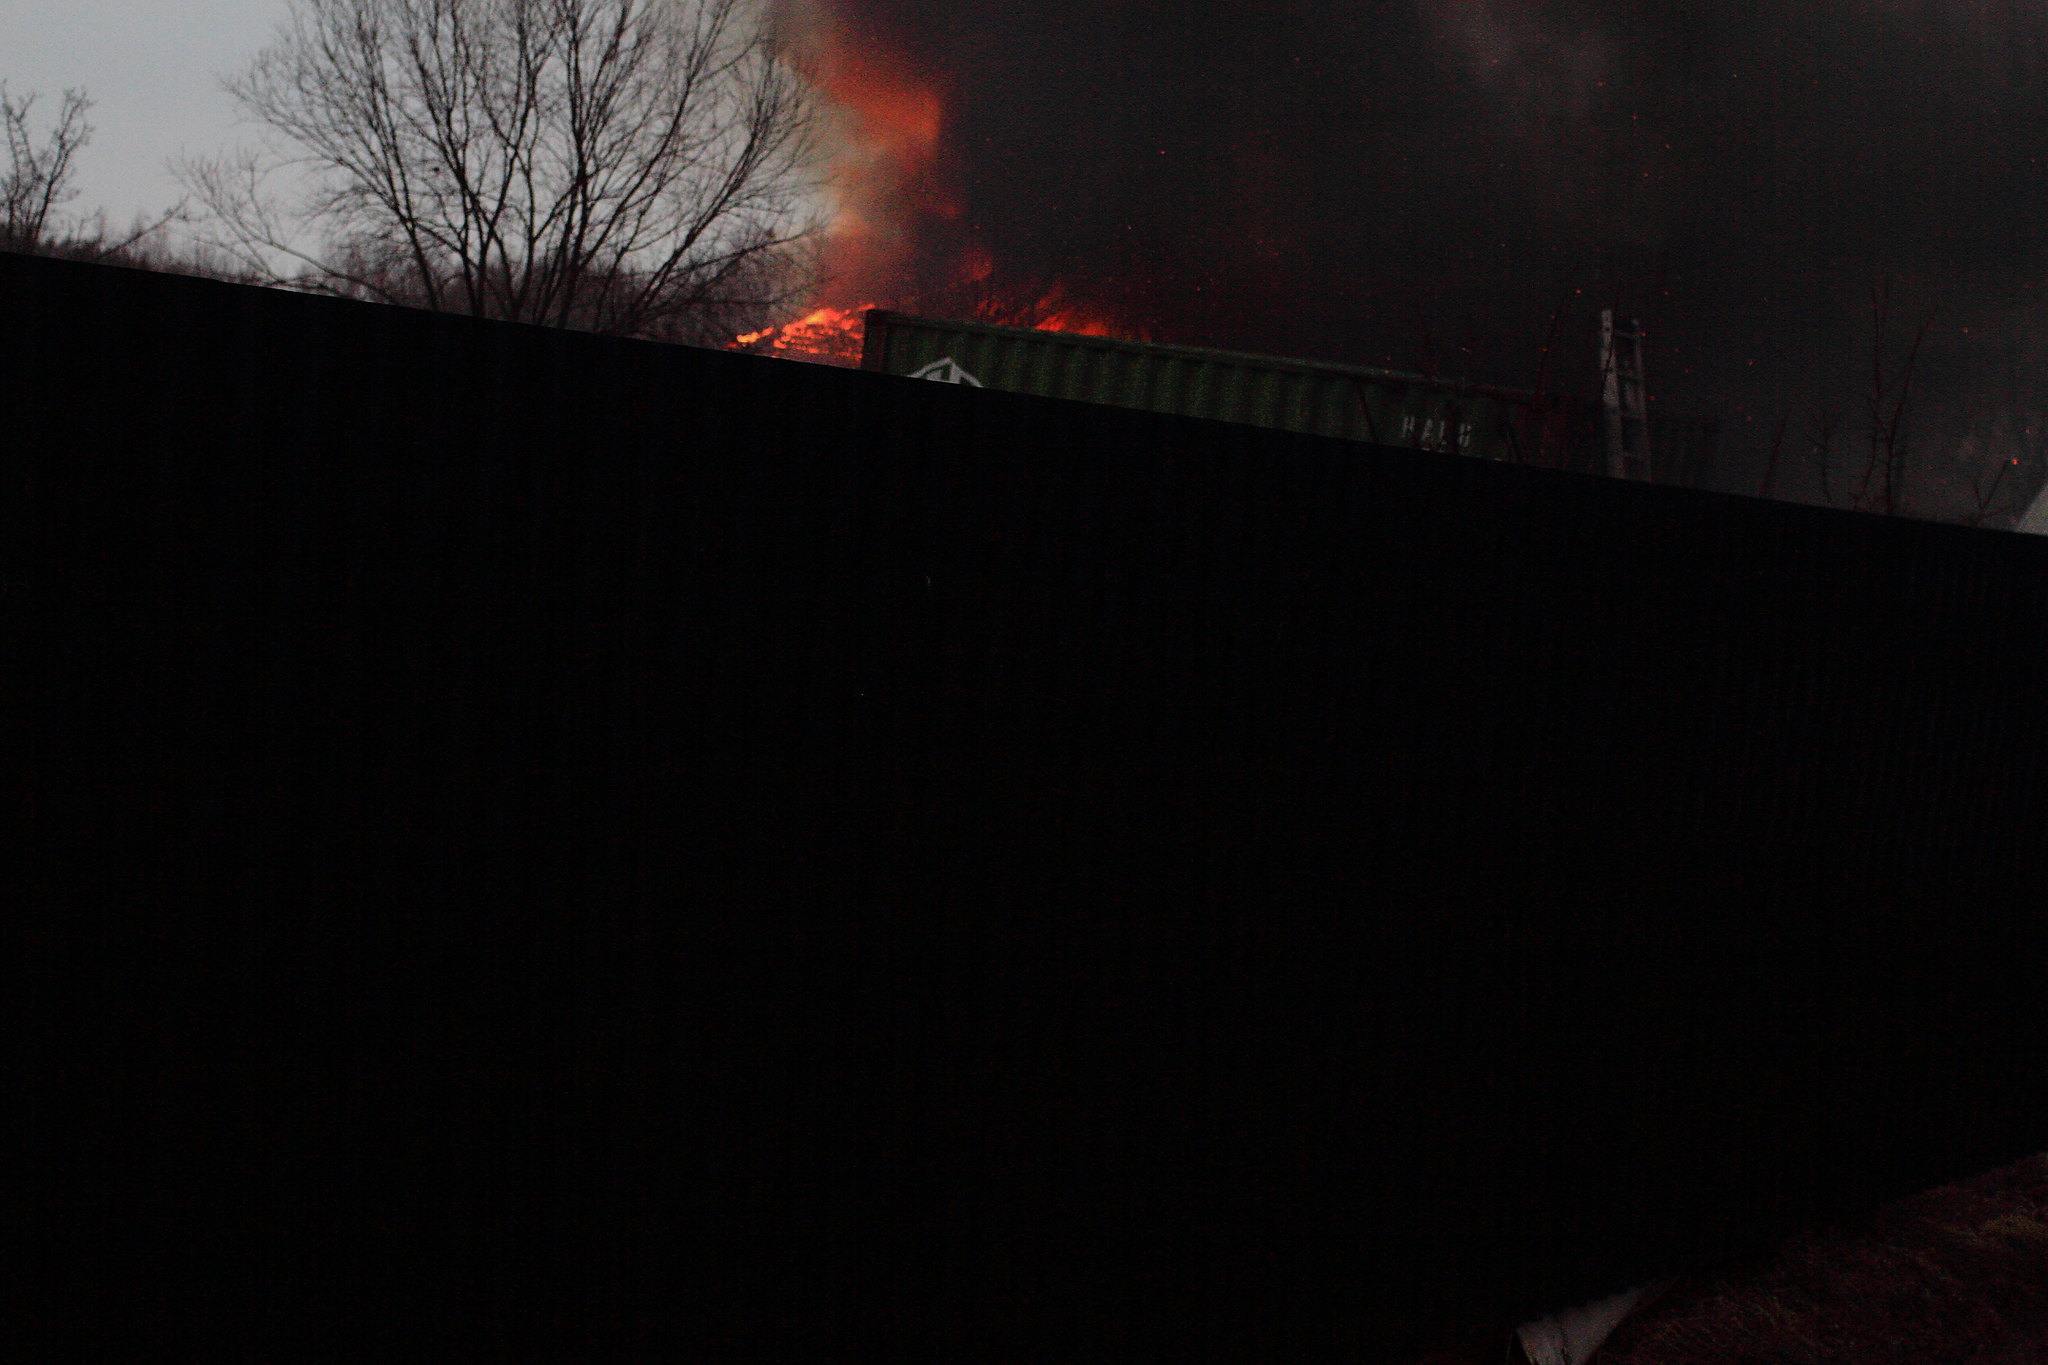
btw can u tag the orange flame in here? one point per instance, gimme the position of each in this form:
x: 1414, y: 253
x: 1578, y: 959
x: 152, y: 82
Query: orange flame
x: 1078, y: 323
x: 828, y: 335
x: 886, y: 176
x: 1055, y: 312
x: 893, y: 202
x: 835, y: 336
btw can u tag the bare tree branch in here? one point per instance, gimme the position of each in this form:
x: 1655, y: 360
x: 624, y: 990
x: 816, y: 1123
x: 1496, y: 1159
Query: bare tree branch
x: 1771, y: 469
x: 1823, y: 451
x: 1887, y: 458
x: 621, y: 166
x: 38, y: 177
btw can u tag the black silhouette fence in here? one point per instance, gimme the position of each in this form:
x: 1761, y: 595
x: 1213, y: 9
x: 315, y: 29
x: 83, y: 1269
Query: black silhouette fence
x: 540, y: 847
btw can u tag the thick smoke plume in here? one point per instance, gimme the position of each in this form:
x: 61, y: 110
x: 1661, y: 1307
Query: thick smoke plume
x: 1457, y: 186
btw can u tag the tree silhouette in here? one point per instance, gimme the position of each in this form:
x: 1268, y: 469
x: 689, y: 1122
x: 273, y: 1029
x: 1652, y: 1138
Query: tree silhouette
x: 39, y: 174
x: 631, y: 167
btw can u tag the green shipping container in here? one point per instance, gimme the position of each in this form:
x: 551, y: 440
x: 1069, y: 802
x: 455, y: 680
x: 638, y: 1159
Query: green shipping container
x: 1381, y: 406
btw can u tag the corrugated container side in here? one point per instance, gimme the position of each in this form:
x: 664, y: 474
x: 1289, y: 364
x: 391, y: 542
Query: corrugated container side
x: 1355, y: 403
x: 1351, y: 402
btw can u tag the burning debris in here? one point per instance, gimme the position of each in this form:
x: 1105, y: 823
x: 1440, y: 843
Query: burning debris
x: 900, y: 235
x: 833, y: 336
x: 826, y: 336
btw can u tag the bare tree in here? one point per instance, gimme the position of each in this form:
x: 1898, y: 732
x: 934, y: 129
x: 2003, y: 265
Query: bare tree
x: 1885, y: 466
x: 1777, y: 446
x: 1887, y: 459
x: 1977, y: 471
x: 2017, y: 445
x: 1826, y: 426
x: 633, y: 167
x: 38, y: 177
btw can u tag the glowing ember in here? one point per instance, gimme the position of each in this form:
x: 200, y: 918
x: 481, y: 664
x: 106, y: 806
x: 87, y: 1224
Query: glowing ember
x: 1087, y: 327
x: 834, y: 336
x: 1056, y: 312
x: 829, y: 336
x: 1081, y: 324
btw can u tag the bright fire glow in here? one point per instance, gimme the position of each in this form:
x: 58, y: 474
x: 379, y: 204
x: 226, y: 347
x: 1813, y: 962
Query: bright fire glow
x: 897, y: 232
x: 1087, y: 327
x: 1055, y: 312
x: 828, y: 335
x: 1080, y: 323
x: 885, y: 175
x: 834, y: 336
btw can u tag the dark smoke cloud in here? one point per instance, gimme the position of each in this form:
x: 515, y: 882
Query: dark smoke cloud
x: 1425, y: 182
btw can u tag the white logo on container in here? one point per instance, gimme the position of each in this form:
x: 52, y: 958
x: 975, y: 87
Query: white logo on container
x: 946, y: 371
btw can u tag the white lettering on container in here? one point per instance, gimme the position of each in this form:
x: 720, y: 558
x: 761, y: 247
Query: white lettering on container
x: 946, y: 371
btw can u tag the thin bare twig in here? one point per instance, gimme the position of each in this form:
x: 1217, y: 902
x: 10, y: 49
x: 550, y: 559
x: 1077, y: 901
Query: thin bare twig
x: 1777, y: 444
x: 38, y: 175
x: 636, y: 167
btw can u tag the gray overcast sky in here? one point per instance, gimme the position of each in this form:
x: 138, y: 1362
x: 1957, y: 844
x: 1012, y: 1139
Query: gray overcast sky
x: 151, y: 67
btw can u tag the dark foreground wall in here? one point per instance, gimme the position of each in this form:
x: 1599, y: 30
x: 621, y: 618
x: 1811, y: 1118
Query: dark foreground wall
x: 532, y: 847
